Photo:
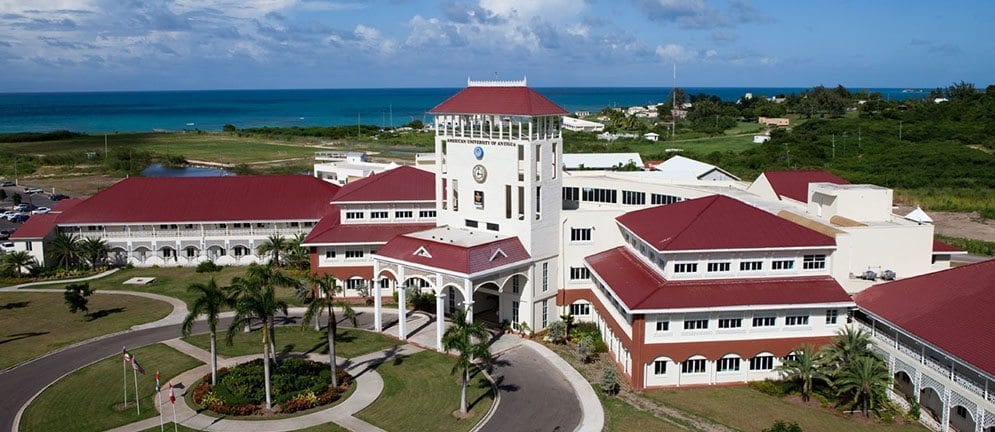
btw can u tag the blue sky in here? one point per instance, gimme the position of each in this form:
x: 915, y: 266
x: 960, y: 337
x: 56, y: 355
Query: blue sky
x: 92, y: 45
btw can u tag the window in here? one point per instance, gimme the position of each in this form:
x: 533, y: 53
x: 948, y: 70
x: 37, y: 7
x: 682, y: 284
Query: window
x: 545, y: 278
x: 633, y: 198
x: 378, y: 215
x: 188, y: 226
x: 831, y: 316
x: 493, y: 226
x: 571, y: 194
x: 580, y: 234
x: 730, y: 364
x: 686, y: 268
x: 661, y: 199
x: 660, y: 367
x: 599, y: 195
x: 751, y: 265
x: 28, y: 246
x: 580, y: 309
x: 961, y: 411
x: 782, y: 264
x: 579, y: 273
x: 191, y: 252
x: 516, y: 285
x: 471, y: 223
x: 404, y: 214
x: 727, y: 323
x: 354, y: 254
x: 699, y: 324
x: 426, y: 214
x: 355, y: 284
x: 545, y: 312
x: 507, y: 201
x: 718, y: 266
x: 662, y: 326
x: 813, y: 262
x: 329, y: 254
x: 353, y: 215
x: 240, y: 250
x: 514, y: 312
x: 764, y: 321
x: 693, y: 366
x: 796, y: 320
x: 764, y: 362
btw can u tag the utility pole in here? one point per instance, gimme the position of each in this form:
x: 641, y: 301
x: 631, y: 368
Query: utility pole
x: 899, y: 130
x: 858, y: 137
x: 834, y: 146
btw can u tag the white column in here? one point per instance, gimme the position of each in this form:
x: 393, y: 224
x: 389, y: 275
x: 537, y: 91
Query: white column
x: 945, y: 415
x: 440, y: 300
x: 402, y: 318
x: 377, y: 320
x: 468, y: 299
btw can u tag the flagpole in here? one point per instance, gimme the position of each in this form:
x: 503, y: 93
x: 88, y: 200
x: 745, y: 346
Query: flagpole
x: 138, y: 403
x: 124, y: 369
x: 173, y: 404
x: 158, y: 402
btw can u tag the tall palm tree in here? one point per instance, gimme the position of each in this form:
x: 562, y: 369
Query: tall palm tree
x: 257, y: 301
x: 848, y: 346
x: 94, y: 250
x: 265, y: 276
x: 867, y: 379
x: 65, y: 249
x: 273, y: 246
x: 297, y: 255
x: 209, y: 301
x: 804, y: 366
x: 469, y: 340
x: 16, y: 261
x: 327, y: 288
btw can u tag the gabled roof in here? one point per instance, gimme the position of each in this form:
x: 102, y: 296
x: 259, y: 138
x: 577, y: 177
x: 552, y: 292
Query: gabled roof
x: 950, y: 309
x: 919, y: 216
x: 330, y: 230
x: 404, y: 183
x: 680, y: 167
x: 456, y: 257
x: 794, y: 184
x: 499, y: 100
x: 37, y: 227
x: 205, y: 199
x: 944, y: 248
x: 641, y: 287
x: 718, y: 222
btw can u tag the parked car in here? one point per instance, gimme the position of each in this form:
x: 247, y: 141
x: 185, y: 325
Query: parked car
x: 41, y: 210
x: 7, y: 184
x: 7, y: 247
x: 20, y: 218
x: 59, y: 197
x: 5, y: 234
x: 32, y: 191
x: 8, y: 214
x: 24, y: 207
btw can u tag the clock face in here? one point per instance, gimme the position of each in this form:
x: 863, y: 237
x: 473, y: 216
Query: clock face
x: 478, y: 152
x: 479, y: 173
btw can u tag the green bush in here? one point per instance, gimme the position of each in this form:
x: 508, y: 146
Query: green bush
x: 585, y: 329
x: 771, y: 387
x: 557, y: 332
x: 585, y: 349
x: 781, y: 426
x: 207, y: 267
x: 609, y: 380
x: 297, y: 384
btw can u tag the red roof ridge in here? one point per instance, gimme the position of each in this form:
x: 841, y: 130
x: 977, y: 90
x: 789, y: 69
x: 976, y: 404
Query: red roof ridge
x: 711, y: 202
x: 361, y: 185
x: 959, y: 268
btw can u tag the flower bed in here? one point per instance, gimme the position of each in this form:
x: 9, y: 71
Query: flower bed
x: 297, y: 385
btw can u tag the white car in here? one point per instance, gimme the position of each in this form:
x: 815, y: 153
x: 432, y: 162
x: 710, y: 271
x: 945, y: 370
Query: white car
x: 30, y: 191
x: 40, y: 210
x: 7, y: 247
x: 8, y: 214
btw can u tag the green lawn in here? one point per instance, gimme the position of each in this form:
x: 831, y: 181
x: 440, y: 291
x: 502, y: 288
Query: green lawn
x: 348, y: 343
x: 32, y: 324
x: 725, y: 405
x: 173, y: 281
x: 91, y: 397
x: 420, y: 395
x: 622, y: 417
x: 327, y: 427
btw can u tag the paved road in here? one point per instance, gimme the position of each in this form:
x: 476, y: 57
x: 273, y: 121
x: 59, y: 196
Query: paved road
x: 551, y: 404
x: 18, y: 385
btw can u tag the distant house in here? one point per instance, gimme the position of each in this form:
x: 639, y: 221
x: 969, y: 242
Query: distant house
x: 679, y: 114
x: 682, y: 168
x: 941, y: 100
x: 651, y: 136
x: 600, y: 161
x: 580, y: 125
x: 760, y: 139
x: 780, y: 122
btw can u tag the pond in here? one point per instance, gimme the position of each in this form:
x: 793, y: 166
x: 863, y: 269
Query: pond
x: 158, y: 170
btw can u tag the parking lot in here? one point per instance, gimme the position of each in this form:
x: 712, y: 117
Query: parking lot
x: 40, y: 199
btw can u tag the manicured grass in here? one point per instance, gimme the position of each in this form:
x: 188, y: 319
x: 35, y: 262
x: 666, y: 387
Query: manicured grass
x: 420, y: 394
x: 32, y: 324
x: 622, y: 417
x: 173, y: 281
x: 90, y: 398
x: 728, y: 406
x: 348, y: 342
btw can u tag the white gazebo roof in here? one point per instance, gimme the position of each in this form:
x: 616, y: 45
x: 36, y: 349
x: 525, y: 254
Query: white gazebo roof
x: 919, y: 216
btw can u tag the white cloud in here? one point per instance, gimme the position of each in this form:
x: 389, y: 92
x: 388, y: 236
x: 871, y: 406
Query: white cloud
x: 674, y: 52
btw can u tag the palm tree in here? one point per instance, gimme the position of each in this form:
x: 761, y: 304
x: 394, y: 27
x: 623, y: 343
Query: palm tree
x: 257, y: 300
x: 848, y: 346
x: 264, y: 276
x: 867, y: 379
x: 327, y: 289
x: 469, y: 340
x: 273, y: 246
x: 209, y: 301
x: 65, y: 249
x: 16, y: 261
x: 804, y: 366
x: 297, y: 255
x: 94, y: 250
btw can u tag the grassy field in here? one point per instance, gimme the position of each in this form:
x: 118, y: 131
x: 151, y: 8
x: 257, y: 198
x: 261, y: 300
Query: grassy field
x: 725, y: 405
x: 420, y: 394
x: 32, y: 324
x: 348, y: 343
x: 327, y: 427
x: 980, y: 199
x: 972, y: 246
x: 91, y: 397
x: 622, y: 417
x: 173, y: 281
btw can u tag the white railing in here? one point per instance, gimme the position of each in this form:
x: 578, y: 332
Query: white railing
x: 968, y: 384
x: 936, y: 366
x: 908, y: 350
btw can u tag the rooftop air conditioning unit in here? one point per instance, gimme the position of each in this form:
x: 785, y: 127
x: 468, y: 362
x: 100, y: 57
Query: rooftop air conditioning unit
x: 888, y: 275
x: 868, y: 275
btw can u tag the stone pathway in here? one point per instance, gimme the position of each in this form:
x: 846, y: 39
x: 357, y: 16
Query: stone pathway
x: 369, y: 385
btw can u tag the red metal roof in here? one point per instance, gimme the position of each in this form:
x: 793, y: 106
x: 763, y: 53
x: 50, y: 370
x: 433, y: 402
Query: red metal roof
x: 794, y: 184
x: 37, y: 227
x: 951, y: 309
x: 206, y: 199
x: 498, y: 100
x: 939, y: 246
x: 718, y: 222
x: 460, y: 259
x: 66, y: 204
x: 330, y: 230
x: 641, y: 287
x: 404, y: 183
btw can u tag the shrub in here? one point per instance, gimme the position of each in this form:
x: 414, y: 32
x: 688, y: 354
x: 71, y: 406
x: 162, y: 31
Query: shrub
x: 585, y: 349
x: 769, y: 387
x: 297, y: 385
x: 557, y: 332
x: 781, y: 426
x: 208, y: 267
x: 915, y: 411
x: 228, y: 128
x: 609, y: 380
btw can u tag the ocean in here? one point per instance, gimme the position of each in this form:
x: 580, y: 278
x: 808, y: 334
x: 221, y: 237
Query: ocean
x: 210, y: 110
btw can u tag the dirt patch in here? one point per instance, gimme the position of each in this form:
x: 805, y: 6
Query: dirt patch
x: 81, y: 186
x: 959, y: 224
